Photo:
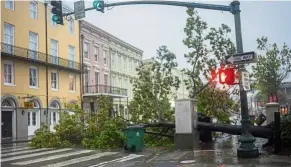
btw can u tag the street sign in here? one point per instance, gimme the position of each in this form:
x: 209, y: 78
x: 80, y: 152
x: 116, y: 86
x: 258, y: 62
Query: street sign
x: 241, y: 58
x: 79, y: 9
x: 246, y: 81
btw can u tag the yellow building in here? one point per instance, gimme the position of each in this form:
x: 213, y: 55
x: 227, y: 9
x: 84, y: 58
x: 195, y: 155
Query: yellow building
x: 28, y: 75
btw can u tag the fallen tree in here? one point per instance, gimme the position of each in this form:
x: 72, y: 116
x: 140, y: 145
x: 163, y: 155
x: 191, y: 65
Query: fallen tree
x: 257, y: 131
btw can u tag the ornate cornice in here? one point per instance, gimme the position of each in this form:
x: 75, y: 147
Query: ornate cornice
x: 110, y: 37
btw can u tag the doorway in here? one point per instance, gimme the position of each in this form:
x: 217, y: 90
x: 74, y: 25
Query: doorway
x: 6, y: 126
x: 8, y: 122
x: 33, y: 116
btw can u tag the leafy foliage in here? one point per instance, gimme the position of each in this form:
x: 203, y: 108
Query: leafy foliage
x: 216, y: 103
x: 272, y: 67
x: 90, y: 130
x: 202, y: 58
x: 212, y: 102
x: 153, y: 88
x: 286, y: 129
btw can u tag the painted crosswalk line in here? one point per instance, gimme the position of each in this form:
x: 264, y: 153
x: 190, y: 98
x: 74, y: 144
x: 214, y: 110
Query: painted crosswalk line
x: 52, y: 157
x: 34, y: 155
x: 82, y: 159
x: 123, y: 159
x: 24, y: 152
x: 15, y: 149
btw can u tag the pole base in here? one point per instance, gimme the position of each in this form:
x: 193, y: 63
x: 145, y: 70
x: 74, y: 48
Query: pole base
x: 248, y: 152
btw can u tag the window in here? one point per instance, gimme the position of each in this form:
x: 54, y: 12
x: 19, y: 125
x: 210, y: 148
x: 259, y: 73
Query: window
x: 130, y: 65
x: 33, y: 78
x: 125, y: 83
x: 54, y: 117
x: 8, y: 37
x: 112, y: 59
x: 28, y: 114
x: 105, y: 57
x: 8, y: 73
x: 96, y: 78
x: 97, y: 81
x: 124, y: 63
x: 33, y: 10
x: 71, y: 56
x: 72, y: 85
x: 54, y: 24
x: 120, y: 82
x: 71, y: 26
x: 96, y: 52
x: 86, y: 50
x: 119, y: 60
x: 54, y: 51
x: 86, y: 81
x: 9, y: 4
x: 33, y: 45
x: 113, y: 81
x: 54, y: 80
x: 106, y: 83
x: 105, y: 79
x: 134, y: 65
x: 33, y: 118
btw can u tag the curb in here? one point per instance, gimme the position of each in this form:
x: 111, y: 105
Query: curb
x: 17, y: 141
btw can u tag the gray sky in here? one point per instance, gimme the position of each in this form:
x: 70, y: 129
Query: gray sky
x: 148, y: 26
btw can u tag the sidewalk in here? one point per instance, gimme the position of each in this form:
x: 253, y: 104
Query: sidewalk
x: 222, y: 153
x: 16, y: 140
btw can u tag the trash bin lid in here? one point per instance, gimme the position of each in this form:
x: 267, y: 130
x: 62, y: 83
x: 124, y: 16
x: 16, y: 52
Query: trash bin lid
x: 136, y: 126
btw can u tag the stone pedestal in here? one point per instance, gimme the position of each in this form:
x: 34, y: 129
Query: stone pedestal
x: 271, y: 108
x: 186, y: 137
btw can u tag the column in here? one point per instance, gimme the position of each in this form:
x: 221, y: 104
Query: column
x: 186, y: 118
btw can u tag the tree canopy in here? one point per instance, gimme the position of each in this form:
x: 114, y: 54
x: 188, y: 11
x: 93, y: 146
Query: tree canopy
x: 272, y: 67
x: 153, y: 88
x: 201, y: 57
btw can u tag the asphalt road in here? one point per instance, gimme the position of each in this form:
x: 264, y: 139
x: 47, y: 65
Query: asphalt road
x: 221, y: 153
x: 21, y: 155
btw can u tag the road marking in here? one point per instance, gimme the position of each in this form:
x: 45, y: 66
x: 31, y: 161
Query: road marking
x: 15, y: 149
x: 18, y: 146
x: 129, y: 157
x: 24, y: 152
x: 82, y: 159
x: 52, y: 157
x: 34, y: 155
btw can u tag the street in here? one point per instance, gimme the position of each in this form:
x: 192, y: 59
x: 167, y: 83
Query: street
x: 220, y: 153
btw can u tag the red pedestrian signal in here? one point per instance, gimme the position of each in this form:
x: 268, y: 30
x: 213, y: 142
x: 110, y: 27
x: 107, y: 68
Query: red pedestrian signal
x: 227, y: 76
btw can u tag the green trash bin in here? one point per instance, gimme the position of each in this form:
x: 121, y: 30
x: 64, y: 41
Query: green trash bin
x: 134, y: 138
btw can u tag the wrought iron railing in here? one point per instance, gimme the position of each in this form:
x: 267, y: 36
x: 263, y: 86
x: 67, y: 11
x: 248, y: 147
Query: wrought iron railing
x: 99, y: 89
x: 36, y: 56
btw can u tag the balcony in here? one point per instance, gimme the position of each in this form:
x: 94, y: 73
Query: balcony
x: 95, y: 90
x: 38, y: 57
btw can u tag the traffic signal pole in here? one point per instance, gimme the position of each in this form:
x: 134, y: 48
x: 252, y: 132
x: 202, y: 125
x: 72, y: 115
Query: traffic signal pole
x: 247, y: 149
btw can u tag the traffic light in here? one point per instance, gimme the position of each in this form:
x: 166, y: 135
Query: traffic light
x: 57, y: 10
x: 227, y: 76
x: 99, y: 5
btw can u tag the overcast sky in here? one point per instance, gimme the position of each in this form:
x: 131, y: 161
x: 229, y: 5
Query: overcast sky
x: 149, y: 26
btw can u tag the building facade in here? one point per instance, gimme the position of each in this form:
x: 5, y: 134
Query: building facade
x: 125, y: 58
x: 40, y: 66
x: 110, y: 64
